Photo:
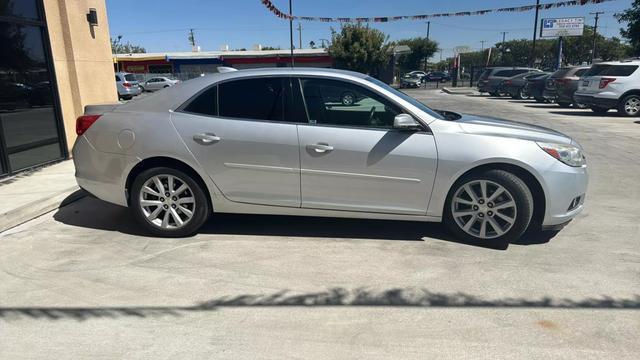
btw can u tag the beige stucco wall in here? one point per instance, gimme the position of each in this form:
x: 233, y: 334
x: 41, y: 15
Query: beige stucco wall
x: 81, y: 58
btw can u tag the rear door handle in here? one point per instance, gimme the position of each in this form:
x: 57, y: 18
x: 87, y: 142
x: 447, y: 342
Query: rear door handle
x: 320, y: 147
x: 206, y: 138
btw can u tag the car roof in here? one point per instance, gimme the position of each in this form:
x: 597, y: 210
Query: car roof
x: 623, y: 62
x: 175, y: 96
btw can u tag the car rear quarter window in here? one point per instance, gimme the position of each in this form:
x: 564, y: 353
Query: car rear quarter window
x: 205, y: 103
x: 611, y: 70
x: 130, y: 77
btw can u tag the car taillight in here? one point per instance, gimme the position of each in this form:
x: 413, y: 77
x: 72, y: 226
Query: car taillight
x: 606, y: 81
x: 84, y: 122
x: 127, y: 85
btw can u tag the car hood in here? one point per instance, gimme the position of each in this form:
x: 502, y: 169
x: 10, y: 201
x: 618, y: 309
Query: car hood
x: 478, y: 125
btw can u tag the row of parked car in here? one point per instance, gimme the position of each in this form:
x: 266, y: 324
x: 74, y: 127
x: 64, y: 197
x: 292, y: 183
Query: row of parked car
x: 415, y: 79
x: 129, y: 86
x: 600, y: 87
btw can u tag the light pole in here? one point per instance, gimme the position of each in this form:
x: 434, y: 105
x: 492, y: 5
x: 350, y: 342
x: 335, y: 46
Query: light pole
x: 595, y: 34
x: 535, y: 34
x: 293, y: 64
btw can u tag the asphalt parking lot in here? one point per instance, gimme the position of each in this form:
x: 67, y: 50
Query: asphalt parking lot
x: 84, y: 282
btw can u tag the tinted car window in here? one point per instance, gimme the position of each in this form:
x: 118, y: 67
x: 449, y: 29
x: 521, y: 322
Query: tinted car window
x: 504, y: 73
x: 611, y: 70
x: 580, y: 72
x: 117, y: 78
x: 519, y: 71
x: 130, y: 77
x: 260, y: 99
x: 325, y: 102
x: 205, y: 103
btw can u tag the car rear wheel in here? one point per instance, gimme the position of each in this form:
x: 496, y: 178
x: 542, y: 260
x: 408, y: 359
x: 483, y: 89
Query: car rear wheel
x: 599, y: 110
x: 523, y: 94
x: 168, y: 202
x: 492, y: 207
x: 348, y: 99
x: 630, y: 106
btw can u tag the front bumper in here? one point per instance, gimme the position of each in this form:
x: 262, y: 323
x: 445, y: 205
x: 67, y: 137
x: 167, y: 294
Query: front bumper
x: 566, y: 188
x: 594, y: 101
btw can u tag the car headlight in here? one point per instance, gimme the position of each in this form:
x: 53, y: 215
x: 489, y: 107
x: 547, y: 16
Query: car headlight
x: 568, y: 154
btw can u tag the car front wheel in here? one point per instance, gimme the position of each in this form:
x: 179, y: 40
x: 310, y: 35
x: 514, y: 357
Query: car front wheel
x: 168, y: 202
x: 630, y: 106
x: 493, y: 208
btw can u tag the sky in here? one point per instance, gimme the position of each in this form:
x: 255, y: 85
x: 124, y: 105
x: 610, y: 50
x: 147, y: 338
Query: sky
x: 163, y: 25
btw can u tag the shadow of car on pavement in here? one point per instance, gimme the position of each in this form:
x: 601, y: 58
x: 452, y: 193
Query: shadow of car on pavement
x: 93, y: 213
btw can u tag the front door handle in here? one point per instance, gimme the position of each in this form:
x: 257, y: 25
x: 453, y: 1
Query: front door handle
x: 206, y: 138
x: 320, y: 147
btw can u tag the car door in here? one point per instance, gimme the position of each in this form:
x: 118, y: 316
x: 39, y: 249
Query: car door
x: 152, y: 84
x: 352, y: 159
x: 244, y: 139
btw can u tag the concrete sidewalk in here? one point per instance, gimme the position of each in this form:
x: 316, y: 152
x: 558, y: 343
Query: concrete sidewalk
x: 29, y: 195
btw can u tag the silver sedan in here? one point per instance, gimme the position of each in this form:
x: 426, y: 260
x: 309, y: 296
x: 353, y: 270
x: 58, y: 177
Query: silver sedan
x: 277, y: 141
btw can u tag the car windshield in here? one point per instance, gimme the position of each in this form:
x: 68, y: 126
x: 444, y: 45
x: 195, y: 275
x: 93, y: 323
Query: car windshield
x: 406, y: 97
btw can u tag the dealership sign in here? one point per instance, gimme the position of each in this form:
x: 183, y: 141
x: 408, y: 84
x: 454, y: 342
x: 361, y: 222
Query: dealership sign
x: 557, y: 27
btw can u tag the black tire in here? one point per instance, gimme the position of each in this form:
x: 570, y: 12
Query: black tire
x: 539, y: 100
x: 521, y: 196
x: 142, y: 89
x: 630, y: 106
x: 522, y: 94
x: 599, y: 110
x: 348, y: 98
x: 565, y: 105
x: 579, y: 106
x: 166, y: 86
x: 201, y: 210
x: 127, y: 97
x: 494, y: 94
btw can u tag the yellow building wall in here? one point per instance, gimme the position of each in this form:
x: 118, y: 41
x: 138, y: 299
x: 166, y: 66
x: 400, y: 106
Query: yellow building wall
x: 81, y: 58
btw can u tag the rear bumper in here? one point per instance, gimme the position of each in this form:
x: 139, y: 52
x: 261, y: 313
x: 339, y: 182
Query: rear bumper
x: 101, y: 174
x: 593, y: 101
x: 550, y: 95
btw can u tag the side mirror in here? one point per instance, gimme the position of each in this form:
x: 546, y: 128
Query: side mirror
x: 406, y: 122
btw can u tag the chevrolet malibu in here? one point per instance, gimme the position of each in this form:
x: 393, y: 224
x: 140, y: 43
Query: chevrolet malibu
x: 274, y: 141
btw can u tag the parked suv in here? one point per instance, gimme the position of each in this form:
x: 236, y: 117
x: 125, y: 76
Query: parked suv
x: 562, y: 84
x: 127, y: 85
x: 491, y: 78
x: 611, y: 85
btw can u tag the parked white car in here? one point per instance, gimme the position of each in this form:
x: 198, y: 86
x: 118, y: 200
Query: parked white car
x: 158, y: 83
x: 611, y: 85
x: 127, y: 86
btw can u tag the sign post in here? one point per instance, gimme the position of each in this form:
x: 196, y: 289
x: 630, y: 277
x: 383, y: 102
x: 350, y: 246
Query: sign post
x: 560, y: 28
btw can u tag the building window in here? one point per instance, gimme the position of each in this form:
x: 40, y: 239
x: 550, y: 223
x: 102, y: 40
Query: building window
x: 30, y: 132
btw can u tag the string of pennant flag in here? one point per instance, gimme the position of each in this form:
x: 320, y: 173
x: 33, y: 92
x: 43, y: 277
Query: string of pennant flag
x: 277, y: 12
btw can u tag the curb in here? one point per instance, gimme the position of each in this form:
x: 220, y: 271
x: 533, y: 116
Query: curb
x: 458, y: 92
x: 38, y: 208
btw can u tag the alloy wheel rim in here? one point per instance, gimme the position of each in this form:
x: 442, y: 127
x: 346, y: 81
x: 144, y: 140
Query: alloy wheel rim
x: 484, y: 209
x: 167, y: 202
x: 347, y: 99
x: 632, y: 106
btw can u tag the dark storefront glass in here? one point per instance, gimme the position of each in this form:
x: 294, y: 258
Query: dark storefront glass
x: 20, y: 8
x: 29, y: 133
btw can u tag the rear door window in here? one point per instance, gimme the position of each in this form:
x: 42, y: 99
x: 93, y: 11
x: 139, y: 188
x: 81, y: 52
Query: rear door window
x: 205, y: 103
x: 258, y: 99
x: 504, y: 73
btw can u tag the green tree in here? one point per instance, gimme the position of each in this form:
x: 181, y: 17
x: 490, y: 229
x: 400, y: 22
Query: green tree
x: 421, y: 50
x: 271, y: 48
x: 117, y: 47
x: 359, y: 48
x: 632, y: 31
